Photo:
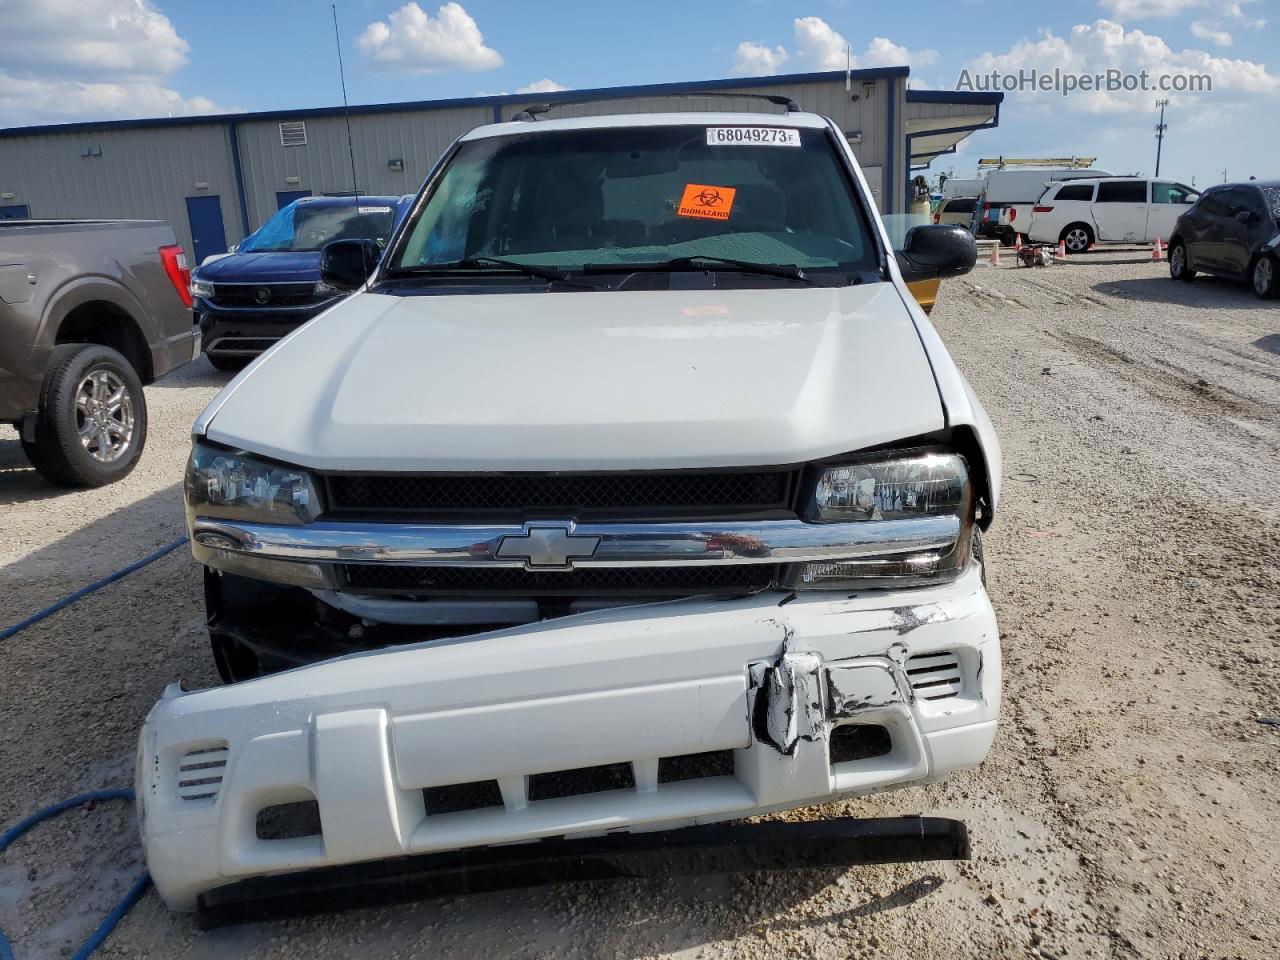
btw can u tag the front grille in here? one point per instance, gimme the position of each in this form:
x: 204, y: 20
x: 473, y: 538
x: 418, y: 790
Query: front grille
x: 277, y: 294
x: 618, y: 495
x: 200, y: 773
x: 727, y: 580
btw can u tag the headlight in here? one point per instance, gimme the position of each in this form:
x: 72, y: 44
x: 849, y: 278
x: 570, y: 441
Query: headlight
x: 236, y: 486
x: 201, y: 289
x: 911, y: 484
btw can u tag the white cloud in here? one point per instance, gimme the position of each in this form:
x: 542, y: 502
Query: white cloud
x: 545, y: 85
x: 819, y: 46
x: 412, y: 41
x: 757, y: 60
x: 89, y: 60
x: 1095, y: 48
x: 1124, y: 10
x: 1204, y: 30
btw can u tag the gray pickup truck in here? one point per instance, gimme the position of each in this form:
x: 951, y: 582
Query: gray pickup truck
x: 90, y: 310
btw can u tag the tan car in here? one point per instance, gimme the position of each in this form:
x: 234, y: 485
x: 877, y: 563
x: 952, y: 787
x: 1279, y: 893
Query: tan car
x: 956, y: 210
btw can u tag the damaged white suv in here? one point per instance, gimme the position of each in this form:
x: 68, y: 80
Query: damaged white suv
x: 631, y: 490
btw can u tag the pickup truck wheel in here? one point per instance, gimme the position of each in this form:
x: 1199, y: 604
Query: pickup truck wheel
x: 229, y: 364
x: 91, y: 423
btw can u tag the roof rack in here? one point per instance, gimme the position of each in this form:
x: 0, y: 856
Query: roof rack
x: 535, y: 110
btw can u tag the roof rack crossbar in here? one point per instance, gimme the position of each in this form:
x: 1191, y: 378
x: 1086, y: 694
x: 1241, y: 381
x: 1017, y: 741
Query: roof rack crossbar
x: 535, y: 110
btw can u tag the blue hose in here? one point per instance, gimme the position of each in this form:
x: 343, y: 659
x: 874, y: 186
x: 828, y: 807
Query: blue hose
x: 71, y: 598
x: 109, y: 922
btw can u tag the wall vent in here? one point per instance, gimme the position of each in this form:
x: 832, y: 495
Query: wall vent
x: 293, y: 134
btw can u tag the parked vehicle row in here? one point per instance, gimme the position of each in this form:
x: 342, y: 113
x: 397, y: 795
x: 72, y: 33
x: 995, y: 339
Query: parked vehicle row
x: 1004, y: 204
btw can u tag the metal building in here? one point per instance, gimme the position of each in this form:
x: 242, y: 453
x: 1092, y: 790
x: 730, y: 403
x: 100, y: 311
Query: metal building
x: 217, y: 178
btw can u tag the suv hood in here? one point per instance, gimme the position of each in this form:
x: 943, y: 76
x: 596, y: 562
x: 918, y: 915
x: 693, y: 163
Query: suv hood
x: 586, y: 381
x: 282, y: 266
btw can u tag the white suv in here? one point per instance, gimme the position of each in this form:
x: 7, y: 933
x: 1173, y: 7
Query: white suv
x: 630, y: 490
x: 1108, y: 210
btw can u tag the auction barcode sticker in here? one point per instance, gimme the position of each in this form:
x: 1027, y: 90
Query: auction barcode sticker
x: 745, y: 136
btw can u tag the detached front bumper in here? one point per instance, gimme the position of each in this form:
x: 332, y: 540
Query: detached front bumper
x: 634, y: 719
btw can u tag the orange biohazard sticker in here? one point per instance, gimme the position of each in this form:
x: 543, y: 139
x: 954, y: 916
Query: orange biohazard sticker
x: 707, y: 202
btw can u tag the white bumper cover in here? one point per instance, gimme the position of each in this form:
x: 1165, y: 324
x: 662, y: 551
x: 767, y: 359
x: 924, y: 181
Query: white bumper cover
x: 364, y: 736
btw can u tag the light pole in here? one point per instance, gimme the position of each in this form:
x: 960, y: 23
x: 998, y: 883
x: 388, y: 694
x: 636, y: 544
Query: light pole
x: 1160, y: 129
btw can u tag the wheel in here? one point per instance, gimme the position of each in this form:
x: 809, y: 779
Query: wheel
x: 1078, y: 237
x: 91, y: 423
x: 1179, y: 263
x: 1265, y: 277
x: 228, y: 364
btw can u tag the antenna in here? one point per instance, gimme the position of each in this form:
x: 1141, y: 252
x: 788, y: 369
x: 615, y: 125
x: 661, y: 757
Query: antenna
x: 1161, y: 127
x: 346, y: 110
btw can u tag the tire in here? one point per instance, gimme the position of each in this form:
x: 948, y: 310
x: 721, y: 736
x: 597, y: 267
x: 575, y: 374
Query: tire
x: 1264, y: 277
x: 1180, y: 263
x: 1078, y: 237
x: 91, y: 423
x: 228, y: 364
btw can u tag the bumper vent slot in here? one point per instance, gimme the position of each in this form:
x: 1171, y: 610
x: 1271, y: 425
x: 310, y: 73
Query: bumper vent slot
x: 200, y: 774
x: 935, y: 676
x: 695, y: 766
x: 458, y: 797
x: 729, y: 579
x: 644, y: 493
x: 584, y: 780
x: 288, y: 821
x: 859, y: 741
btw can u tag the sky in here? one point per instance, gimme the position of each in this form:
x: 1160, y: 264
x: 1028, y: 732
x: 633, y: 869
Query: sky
x: 70, y: 60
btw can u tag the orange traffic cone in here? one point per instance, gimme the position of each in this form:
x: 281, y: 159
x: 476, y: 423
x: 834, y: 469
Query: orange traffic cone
x: 1157, y: 250
x: 995, y: 254
x: 1017, y: 243
x: 1062, y: 249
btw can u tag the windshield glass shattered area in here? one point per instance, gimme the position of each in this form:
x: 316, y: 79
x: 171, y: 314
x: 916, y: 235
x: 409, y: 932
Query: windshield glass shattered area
x: 645, y: 195
x: 304, y: 226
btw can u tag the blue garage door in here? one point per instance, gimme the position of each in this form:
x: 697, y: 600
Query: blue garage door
x: 15, y: 211
x: 205, y: 216
x: 286, y: 197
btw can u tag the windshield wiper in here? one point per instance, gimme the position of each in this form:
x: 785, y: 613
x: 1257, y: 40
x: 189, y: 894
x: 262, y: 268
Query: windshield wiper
x: 479, y: 263
x: 786, y: 271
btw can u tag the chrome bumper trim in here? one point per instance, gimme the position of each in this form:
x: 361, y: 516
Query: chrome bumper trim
x: 615, y: 544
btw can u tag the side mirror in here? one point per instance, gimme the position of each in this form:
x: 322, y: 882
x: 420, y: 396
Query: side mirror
x: 347, y: 264
x: 937, y: 250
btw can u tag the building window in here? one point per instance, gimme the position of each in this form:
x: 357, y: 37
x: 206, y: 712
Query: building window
x: 293, y: 134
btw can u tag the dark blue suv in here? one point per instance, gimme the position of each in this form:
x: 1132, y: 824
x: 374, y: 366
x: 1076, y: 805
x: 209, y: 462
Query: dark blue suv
x: 270, y: 285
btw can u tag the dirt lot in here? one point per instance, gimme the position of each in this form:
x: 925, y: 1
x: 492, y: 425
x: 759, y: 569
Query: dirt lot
x: 1128, y: 809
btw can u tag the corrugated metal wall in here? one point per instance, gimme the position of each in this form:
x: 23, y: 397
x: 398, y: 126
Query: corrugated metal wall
x: 145, y: 173
x: 149, y: 171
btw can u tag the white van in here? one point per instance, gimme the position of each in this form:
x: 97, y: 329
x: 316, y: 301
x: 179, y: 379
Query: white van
x: 1109, y: 210
x: 1007, y: 196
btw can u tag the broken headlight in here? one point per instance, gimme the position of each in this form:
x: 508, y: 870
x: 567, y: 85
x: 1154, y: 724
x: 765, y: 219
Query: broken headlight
x: 908, y: 485
x: 222, y: 484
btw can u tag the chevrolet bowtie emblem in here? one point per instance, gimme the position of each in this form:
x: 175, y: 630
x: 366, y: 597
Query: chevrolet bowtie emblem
x: 547, y: 547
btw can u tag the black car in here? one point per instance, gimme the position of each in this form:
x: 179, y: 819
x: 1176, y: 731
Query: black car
x: 1232, y: 231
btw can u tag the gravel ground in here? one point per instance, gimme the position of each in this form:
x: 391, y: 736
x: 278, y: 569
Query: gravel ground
x: 1128, y: 808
